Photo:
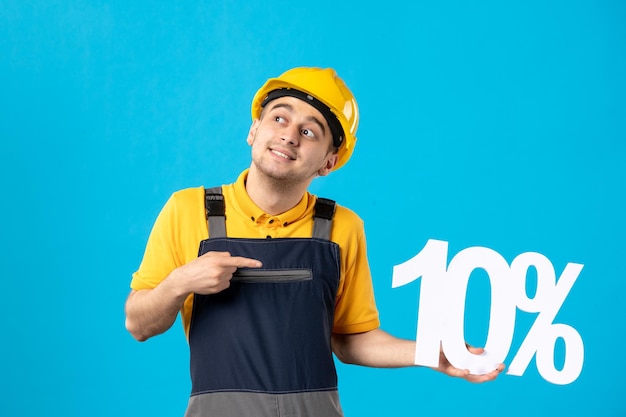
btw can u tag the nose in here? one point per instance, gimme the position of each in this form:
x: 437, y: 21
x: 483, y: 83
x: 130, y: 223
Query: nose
x: 291, y: 135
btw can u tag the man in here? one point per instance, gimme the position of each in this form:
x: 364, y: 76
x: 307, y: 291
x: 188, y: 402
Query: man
x: 282, y: 282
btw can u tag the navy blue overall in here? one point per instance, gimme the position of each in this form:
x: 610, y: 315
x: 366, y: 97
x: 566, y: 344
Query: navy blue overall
x: 263, y: 346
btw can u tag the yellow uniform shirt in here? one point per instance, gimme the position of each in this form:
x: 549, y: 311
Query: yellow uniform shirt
x: 182, y: 225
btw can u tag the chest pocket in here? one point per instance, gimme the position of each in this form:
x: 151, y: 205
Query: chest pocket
x: 271, y: 276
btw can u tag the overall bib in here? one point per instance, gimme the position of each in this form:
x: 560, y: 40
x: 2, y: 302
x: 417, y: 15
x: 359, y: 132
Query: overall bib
x: 262, y: 347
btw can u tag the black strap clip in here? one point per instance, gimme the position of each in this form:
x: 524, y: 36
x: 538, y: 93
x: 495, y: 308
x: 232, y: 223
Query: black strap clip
x: 324, y: 208
x: 214, y: 204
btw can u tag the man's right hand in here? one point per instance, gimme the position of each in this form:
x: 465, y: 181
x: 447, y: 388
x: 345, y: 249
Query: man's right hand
x: 211, y: 272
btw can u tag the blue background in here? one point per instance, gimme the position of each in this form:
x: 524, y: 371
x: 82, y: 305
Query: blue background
x: 498, y: 124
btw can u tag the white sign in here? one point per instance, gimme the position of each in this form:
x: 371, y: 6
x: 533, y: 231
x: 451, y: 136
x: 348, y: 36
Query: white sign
x: 442, y: 307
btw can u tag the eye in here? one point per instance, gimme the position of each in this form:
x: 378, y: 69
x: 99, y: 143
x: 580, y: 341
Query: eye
x: 308, y: 133
x: 279, y: 119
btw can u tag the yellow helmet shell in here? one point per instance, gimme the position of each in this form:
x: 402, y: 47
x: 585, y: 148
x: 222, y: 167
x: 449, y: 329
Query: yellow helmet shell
x: 325, y: 85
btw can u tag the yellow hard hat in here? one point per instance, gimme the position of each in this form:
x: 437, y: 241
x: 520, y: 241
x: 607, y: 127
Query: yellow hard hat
x: 324, y: 90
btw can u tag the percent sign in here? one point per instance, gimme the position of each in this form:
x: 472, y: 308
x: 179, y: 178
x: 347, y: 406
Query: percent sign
x: 442, y: 309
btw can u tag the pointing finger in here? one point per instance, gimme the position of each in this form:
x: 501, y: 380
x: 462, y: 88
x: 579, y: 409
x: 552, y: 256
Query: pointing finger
x: 225, y: 259
x: 241, y: 262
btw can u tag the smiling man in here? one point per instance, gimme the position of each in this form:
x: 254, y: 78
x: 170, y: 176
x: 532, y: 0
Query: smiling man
x: 271, y: 280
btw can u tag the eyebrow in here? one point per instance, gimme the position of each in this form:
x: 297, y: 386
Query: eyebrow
x: 289, y: 107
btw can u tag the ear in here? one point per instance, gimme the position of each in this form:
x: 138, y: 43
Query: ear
x: 252, y: 131
x: 329, y: 164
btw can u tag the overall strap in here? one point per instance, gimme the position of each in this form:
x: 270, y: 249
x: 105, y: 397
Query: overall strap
x: 215, y: 211
x: 323, y: 218
x: 216, y: 214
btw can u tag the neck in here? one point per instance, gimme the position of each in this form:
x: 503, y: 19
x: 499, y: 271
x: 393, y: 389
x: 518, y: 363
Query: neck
x: 271, y: 195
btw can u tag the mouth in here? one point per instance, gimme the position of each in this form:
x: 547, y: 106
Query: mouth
x: 282, y: 155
